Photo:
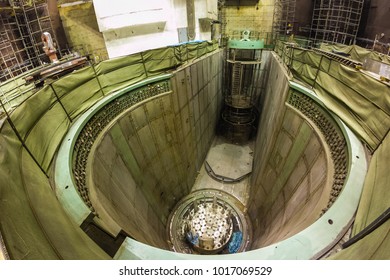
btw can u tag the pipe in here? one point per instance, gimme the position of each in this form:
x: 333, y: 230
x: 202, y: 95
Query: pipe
x: 191, y: 20
x: 370, y: 228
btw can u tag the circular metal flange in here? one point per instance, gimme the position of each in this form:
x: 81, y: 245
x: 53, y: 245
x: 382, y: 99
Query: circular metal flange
x: 209, y: 222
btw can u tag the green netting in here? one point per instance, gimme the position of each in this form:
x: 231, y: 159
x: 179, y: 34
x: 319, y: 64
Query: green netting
x: 337, y: 104
x: 304, y: 71
x: 120, y: 72
x: 181, y: 52
x: 122, y: 78
x: 203, y: 48
x: 42, y: 121
x: 192, y: 50
x: 46, y: 135
x: 117, y: 63
x: 359, y: 112
x: 306, y: 58
x: 362, y: 102
x: 198, y: 49
x: 21, y: 234
x: 375, y: 246
x: 68, y: 240
x: 14, y: 91
x: 31, y: 110
x: 374, y: 201
x: 84, y: 95
x: 209, y: 47
x: 357, y: 53
x: 160, y: 60
x: 368, y: 88
x: 33, y: 224
x: 376, y: 196
x: 74, y: 80
x: 76, y: 103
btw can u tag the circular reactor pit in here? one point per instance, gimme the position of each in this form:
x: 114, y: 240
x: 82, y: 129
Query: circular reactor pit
x: 209, y: 222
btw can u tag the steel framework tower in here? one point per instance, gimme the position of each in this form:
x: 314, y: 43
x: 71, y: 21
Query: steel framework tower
x: 336, y: 21
x: 22, y: 23
x: 284, y: 17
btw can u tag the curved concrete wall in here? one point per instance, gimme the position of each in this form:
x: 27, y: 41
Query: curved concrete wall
x: 140, y: 169
x: 183, y: 124
x: 292, y: 173
x: 295, y: 184
x: 148, y: 158
x: 33, y: 224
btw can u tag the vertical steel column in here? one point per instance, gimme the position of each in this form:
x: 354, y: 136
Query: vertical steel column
x: 191, y: 20
x: 97, y: 78
x: 59, y: 101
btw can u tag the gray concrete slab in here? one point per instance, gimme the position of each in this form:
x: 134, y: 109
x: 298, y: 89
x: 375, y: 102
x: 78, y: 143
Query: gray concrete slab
x: 230, y: 160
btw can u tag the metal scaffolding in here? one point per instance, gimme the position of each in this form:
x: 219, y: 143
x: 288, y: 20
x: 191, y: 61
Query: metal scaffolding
x: 13, y: 57
x: 284, y: 17
x: 33, y: 19
x: 336, y: 21
x: 22, y: 23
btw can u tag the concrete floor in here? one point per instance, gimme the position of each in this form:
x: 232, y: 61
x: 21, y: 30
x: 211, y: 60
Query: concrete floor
x: 229, y: 160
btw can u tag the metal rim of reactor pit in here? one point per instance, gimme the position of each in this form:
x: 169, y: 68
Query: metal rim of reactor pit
x: 209, y: 222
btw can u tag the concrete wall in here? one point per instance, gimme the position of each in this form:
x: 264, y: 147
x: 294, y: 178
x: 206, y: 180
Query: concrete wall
x: 149, y: 158
x: 81, y: 29
x: 291, y: 179
x: 56, y: 22
x: 155, y: 23
x: 258, y: 18
x: 375, y: 20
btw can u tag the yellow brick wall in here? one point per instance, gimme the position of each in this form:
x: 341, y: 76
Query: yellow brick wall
x: 82, y: 31
x: 258, y: 18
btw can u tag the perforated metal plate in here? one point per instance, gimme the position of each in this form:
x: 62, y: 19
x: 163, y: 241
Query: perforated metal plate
x: 205, y: 221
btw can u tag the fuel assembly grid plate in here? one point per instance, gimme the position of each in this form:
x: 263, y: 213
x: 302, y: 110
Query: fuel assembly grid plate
x: 209, y: 222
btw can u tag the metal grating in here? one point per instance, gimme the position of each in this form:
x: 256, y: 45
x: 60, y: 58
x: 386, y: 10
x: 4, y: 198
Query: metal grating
x: 333, y: 137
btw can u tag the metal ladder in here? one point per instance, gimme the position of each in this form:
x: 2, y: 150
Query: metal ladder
x: 236, y: 78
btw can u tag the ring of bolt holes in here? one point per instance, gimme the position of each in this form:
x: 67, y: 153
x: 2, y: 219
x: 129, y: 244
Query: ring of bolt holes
x: 97, y: 123
x: 333, y: 137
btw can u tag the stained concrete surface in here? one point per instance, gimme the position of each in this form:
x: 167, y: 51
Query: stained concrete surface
x: 231, y: 161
